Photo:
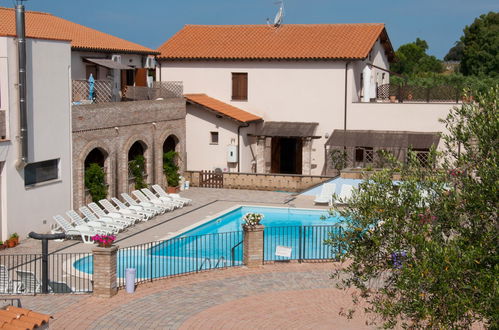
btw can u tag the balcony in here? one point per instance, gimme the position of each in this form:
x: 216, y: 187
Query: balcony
x: 391, y: 93
x: 103, y: 92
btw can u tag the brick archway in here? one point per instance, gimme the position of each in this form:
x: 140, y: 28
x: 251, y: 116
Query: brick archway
x: 123, y: 160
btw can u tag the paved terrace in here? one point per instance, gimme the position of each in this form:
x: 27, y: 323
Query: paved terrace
x: 207, y: 202
x: 281, y: 296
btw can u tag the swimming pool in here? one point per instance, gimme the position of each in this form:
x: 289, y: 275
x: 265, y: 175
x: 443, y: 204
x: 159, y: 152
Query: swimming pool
x: 218, y: 243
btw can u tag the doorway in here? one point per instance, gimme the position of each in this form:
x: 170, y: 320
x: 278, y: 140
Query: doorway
x: 286, y: 155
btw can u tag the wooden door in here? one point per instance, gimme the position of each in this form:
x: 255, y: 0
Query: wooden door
x: 275, y: 155
x: 141, y: 77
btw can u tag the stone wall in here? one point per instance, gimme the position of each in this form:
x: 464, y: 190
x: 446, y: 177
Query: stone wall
x: 113, y: 128
x: 261, y: 181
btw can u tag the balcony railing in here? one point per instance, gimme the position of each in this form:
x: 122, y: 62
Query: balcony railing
x: 103, y: 92
x: 418, y: 94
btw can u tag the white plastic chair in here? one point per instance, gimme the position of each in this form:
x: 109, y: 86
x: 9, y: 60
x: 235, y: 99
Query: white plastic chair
x: 115, y: 216
x: 326, y: 194
x: 156, y: 202
x: 121, y: 225
x: 161, y: 192
x: 108, y: 228
x: 345, y: 194
x: 136, y: 208
x: 126, y: 213
x: 149, y: 205
x: 84, y: 232
x: 149, y: 194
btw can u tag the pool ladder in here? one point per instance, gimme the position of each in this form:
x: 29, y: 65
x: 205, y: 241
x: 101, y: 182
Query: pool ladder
x: 221, y: 259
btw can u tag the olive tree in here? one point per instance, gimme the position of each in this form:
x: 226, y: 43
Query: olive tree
x: 422, y: 251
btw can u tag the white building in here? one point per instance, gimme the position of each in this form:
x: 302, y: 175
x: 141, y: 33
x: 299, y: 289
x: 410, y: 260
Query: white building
x: 61, y: 55
x: 306, y: 82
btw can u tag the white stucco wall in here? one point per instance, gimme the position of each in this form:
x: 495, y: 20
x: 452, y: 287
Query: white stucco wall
x: 78, y: 67
x: 301, y: 91
x: 202, y: 154
x: 23, y: 208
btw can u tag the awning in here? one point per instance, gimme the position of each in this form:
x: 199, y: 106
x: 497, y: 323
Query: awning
x: 287, y: 129
x: 383, y: 139
x: 108, y: 63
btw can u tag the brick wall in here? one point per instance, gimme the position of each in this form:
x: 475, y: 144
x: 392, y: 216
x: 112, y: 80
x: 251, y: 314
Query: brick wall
x: 113, y: 128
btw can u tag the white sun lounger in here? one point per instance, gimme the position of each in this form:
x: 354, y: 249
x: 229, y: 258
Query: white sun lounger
x: 345, y: 194
x: 115, y: 216
x: 132, y: 201
x: 161, y: 192
x: 87, y: 213
x: 149, y: 194
x: 136, y: 208
x: 101, y: 225
x: 157, y: 202
x: 326, y: 195
x: 128, y: 213
x: 84, y: 232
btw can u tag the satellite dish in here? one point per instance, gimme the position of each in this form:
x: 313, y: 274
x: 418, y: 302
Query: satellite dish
x: 279, y: 17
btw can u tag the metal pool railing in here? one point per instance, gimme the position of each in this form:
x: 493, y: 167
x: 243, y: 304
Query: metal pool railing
x: 180, y: 255
x: 306, y: 242
x: 23, y: 274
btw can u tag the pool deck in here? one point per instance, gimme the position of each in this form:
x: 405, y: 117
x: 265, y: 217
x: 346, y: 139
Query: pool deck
x: 207, y: 203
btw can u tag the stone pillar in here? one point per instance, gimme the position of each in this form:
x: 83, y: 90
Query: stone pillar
x: 104, y: 277
x: 306, y: 156
x: 253, y: 246
x: 260, y: 154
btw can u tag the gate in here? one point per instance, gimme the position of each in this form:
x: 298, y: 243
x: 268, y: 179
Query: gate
x: 211, y: 179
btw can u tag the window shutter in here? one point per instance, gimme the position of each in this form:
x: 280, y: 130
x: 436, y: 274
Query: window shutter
x: 239, y: 86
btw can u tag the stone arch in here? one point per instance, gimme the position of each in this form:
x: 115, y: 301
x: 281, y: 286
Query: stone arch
x: 93, y: 147
x: 136, y: 144
x: 177, y: 137
x: 96, y: 155
x: 171, y: 143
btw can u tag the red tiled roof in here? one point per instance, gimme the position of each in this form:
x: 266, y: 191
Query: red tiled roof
x: 222, y: 108
x: 288, y: 42
x: 46, y: 26
x: 20, y: 318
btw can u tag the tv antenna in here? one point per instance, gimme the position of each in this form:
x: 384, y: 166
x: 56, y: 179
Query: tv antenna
x: 279, y: 17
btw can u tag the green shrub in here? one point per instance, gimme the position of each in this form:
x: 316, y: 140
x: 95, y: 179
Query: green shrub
x: 137, y: 168
x: 170, y: 168
x: 95, y: 182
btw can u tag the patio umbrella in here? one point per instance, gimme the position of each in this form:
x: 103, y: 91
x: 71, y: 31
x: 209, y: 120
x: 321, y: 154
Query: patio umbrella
x: 91, y: 87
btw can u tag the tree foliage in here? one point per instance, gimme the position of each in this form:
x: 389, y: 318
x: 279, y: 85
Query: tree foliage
x: 423, y: 251
x: 411, y: 58
x: 170, y: 168
x: 95, y: 182
x: 456, y: 52
x: 481, y: 46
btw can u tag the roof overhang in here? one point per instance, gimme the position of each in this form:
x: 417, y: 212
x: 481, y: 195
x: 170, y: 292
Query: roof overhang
x: 108, y: 63
x: 383, y: 139
x: 288, y: 129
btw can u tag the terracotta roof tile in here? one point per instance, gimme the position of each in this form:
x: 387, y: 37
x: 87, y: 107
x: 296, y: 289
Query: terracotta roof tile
x: 288, y: 42
x: 46, y: 26
x: 222, y: 108
x: 20, y: 318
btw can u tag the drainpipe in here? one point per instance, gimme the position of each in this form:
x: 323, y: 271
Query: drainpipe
x: 346, y: 107
x: 23, y: 121
x: 238, y: 147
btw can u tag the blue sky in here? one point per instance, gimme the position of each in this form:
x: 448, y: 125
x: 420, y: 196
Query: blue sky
x: 151, y: 22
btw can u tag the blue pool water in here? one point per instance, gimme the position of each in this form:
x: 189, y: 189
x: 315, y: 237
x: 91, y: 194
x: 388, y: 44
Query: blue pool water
x: 217, y: 243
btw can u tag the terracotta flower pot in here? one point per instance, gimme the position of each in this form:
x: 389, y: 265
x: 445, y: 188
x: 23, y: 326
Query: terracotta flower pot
x: 15, y: 239
x: 172, y: 190
x: 11, y: 243
x: 393, y: 98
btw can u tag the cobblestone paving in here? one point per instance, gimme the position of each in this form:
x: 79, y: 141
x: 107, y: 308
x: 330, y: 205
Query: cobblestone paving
x: 291, y: 296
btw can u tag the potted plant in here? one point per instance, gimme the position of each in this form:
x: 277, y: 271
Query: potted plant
x: 252, y: 219
x: 104, y: 240
x: 2, y: 245
x: 15, y: 238
x: 170, y: 169
x: 95, y: 182
x: 10, y: 243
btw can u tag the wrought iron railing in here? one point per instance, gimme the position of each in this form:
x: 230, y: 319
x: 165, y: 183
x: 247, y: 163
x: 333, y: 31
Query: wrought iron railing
x: 180, y: 255
x: 412, y: 93
x: 305, y: 242
x: 22, y: 274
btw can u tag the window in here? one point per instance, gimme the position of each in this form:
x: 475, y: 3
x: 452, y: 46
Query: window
x: 213, y: 137
x: 239, y: 86
x: 423, y: 157
x: 41, y: 172
x: 364, y: 155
